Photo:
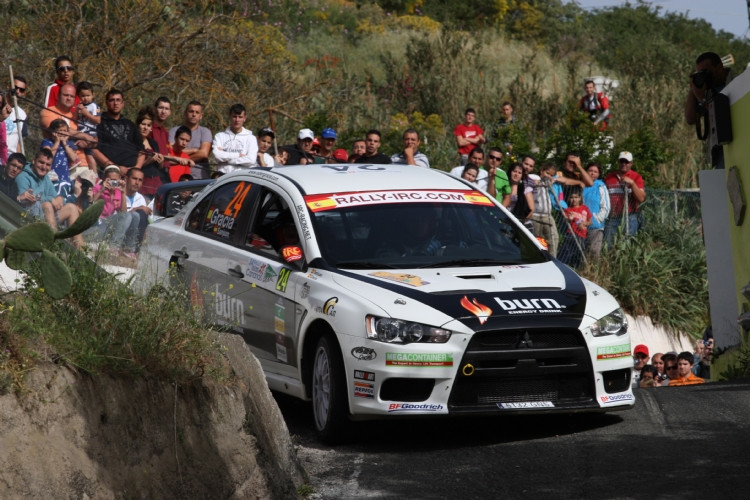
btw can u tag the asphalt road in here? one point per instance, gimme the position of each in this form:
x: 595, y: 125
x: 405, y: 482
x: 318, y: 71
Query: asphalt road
x: 678, y: 442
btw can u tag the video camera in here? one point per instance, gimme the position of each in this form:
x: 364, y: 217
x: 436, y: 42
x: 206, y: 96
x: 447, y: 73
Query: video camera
x: 717, y: 124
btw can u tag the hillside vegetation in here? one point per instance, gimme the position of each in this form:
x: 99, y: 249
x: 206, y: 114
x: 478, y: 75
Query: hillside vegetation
x: 359, y: 65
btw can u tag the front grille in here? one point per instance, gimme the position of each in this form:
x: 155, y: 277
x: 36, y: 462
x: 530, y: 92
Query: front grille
x: 524, y: 365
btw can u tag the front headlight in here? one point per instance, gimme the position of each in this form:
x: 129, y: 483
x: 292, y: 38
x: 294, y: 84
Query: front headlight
x: 403, y: 332
x: 614, y: 323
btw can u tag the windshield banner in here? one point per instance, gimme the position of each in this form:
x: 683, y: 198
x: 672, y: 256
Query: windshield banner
x: 321, y: 202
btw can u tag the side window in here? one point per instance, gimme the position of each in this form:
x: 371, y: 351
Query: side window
x: 218, y: 216
x: 272, y: 227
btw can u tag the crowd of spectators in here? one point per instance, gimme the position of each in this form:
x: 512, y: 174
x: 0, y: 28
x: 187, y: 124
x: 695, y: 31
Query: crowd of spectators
x: 572, y: 209
x: 672, y: 368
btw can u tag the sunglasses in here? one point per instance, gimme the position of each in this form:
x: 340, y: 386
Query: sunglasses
x: 496, y: 158
x: 65, y: 68
x: 21, y: 90
x: 623, y: 160
x: 673, y: 367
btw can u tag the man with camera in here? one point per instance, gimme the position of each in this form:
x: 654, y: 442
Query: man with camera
x: 709, y: 78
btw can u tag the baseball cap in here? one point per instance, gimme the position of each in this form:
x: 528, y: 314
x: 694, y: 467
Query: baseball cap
x: 341, y: 154
x: 625, y: 155
x: 306, y: 133
x: 641, y: 349
x: 266, y: 131
x: 329, y: 133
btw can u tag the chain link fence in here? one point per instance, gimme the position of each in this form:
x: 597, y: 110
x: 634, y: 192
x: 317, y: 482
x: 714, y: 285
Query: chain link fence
x: 661, y: 206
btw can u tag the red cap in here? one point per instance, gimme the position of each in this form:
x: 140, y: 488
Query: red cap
x: 341, y: 154
x: 641, y: 349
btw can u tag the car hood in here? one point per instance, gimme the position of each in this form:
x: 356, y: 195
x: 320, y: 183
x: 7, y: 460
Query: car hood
x: 480, y: 297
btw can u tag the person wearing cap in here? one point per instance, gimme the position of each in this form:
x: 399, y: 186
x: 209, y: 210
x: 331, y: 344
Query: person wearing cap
x: 410, y: 155
x: 235, y: 147
x: 327, y: 142
x: 685, y: 375
x: 265, y: 140
x: 301, y: 152
x: 372, y: 146
x: 341, y: 155
x: 626, y: 191
x: 640, y: 359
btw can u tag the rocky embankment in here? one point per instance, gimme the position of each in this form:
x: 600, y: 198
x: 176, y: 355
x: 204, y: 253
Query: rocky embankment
x: 71, y: 435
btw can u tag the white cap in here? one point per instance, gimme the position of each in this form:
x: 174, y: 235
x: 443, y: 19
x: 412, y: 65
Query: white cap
x: 626, y: 155
x: 306, y: 133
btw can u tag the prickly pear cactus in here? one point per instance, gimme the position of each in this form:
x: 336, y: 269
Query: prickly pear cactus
x: 18, y: 247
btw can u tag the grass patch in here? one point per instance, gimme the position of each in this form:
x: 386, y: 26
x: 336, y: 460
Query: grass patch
x: 103, y: 326
x: 659, y: 273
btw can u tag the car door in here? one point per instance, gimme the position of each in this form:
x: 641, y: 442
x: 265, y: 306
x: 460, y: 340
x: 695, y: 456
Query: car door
x: 240, y: 275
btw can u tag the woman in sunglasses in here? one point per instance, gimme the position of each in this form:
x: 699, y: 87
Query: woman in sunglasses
x: 64, y: 73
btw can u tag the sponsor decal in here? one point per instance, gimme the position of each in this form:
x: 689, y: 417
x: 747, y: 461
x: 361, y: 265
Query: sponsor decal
x: 291, y: 253
x: 329, y: 308
x: 363, y: 375
x: 526, y: 404
x: 350, y: 169
x: 418, y: 359
x: 302, y: 216
x: 481, y: 311
x: 269, y: 274
x: 364, y: 353
x: 221, y: 223
x: 407, y: 279
x: 314, y: 274
x: 265, y: 175
x: 364, y: 390
x: 230, y: 308
x: 616, y: 398
x: 613, y: 352
x: 405, y: 407
x: 317, y: 203
x: 259, y: 271
x: 279, y: 327
x: 304, y: 291
x: 279, y: 316
x: 514, y: 266
x: 283, y: 279
x: 529, y: 306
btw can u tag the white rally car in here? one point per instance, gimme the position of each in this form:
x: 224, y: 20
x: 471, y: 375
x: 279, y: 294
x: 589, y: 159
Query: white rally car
x: 378, y: 290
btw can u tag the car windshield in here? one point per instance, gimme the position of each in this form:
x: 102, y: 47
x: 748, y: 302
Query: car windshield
x: 421, y: 235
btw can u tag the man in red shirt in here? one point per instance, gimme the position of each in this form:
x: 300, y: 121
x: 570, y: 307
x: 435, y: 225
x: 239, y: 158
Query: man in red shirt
x: 626, y: 192
x: 468, y: 135
x: 159, y: 133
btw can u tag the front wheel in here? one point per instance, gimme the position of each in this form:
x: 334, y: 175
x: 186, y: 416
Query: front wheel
x: 329, y: 402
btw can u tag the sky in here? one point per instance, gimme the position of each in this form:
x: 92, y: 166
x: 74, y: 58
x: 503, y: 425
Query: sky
x: 727, y: 15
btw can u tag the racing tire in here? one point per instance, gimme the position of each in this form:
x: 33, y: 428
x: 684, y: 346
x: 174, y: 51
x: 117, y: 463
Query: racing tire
x: 329, y: 401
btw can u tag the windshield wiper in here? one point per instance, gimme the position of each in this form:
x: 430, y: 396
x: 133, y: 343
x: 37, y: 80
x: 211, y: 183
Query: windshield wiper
x: 468, y: 262
x: 358, y: 264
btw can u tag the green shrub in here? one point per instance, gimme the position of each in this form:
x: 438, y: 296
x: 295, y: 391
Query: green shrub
x: 659, y: 273
x: 102, y: 326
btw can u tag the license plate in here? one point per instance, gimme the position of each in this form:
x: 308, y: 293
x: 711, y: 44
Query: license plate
x: 526, y: 404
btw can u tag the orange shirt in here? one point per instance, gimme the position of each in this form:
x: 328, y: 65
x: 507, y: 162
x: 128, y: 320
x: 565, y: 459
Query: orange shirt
x: 691, y: 379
